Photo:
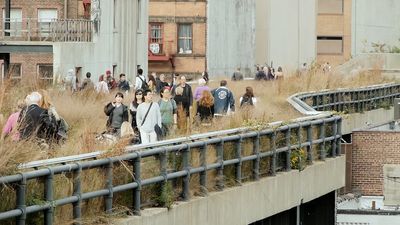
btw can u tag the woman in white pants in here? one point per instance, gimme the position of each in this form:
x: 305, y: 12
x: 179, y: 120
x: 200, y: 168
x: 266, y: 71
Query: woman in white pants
x: 147, y: 117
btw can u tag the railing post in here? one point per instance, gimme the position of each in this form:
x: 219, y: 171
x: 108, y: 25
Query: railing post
x: 322, y: 155
x: 21, y: 200
x: 309, y: 147
x: 136, y: 194
x: 203, y: 175
x: 333, y: 142
x: 338, y: 140
x: 273, y: 149
x: 256, y: 162
x: 77, y: 192
x: 300, y: 136
x: 238, y: 166
x: 186, y: 179
x: 220, y: 170
x: 109, y: 185
x: 48, y: 196
x: 289, y: 149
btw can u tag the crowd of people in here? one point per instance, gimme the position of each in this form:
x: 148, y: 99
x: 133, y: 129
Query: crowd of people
x: 158, y: 107
x: 36, y: 118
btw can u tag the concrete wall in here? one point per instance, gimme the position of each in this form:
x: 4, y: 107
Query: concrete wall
x: 251, y: 201
x: 359, y: 120
x: 230, y: 36
x: 286, y: 32
x: 375, y: 21
x: 123, y: 46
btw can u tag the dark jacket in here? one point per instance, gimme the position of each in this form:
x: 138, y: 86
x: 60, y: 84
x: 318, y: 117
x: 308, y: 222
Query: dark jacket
x: 30, y: 121
x: 260, y: 75
x: 124, y: 86
x: 160, y: 85
x: 205, y: 113
x: 186, y: 99
x: 109, y: 109
x: 223, y: 99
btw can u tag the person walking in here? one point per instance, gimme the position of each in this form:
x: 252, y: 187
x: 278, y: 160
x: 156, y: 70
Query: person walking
x: 147, y: 117
x: 168, y: 110
x: 123, y: 84
x: 237, y: 75
x: 87, y: 83
x: 223, y: 99
x: 161, y: 83
x: 199, y: 90
x: 248, y: 98
x: 102, y: 87
x: 205, y: 108
x: 140, y: 81
x: 117, y: 113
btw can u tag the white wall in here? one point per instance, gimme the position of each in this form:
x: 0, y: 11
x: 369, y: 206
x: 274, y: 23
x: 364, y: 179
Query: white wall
x: 123, y: 46
x: 286, y: 30
x: 375, y: 21
x: 230, y: 36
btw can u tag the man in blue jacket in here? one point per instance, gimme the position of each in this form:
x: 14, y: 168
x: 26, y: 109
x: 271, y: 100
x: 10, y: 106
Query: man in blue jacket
x: 223, y: 99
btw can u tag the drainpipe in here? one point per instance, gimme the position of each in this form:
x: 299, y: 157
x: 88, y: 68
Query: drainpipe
x: 65, y: 9
x: 7, y: 9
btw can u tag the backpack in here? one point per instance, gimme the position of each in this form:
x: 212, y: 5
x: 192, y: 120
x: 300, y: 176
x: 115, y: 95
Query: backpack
x: 246, y: 100
x: 144, y: 86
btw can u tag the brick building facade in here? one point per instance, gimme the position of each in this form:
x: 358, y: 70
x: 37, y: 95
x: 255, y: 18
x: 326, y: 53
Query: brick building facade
x: 177, y: 36
x: 26, y: 65
x: 372, y: 150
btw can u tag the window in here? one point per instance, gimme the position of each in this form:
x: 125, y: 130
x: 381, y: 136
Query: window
x: 45, y: 71
x: 45, y: 18
x: 156, y: 38
x: 15, y: 21
x: 330, y: 45
x: 14, y: 71
x: 185, y: 41
x: 330, y: 6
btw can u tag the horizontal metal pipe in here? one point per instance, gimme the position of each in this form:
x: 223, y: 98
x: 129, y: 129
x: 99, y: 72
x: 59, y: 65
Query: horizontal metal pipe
x: 152, y: 180
x: 125, y: 187
x: 10, y: 214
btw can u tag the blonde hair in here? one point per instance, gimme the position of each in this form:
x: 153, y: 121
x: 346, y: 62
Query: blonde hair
x: 179, y: 90
x: 45, y: 101
x: 206, y: 99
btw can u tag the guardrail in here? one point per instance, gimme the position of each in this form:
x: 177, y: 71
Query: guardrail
x: 317, y: 135
x: 346, y: 100
x: 271, y: 146
x: 54, y: 30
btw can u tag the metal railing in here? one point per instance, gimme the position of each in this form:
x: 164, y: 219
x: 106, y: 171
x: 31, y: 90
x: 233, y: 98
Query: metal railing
x: 271, y: 151
x: 318, y: 135
x: 346, y: 100
x: 53, y: 30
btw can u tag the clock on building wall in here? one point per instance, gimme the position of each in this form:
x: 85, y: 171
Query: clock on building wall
x: 155, y: 48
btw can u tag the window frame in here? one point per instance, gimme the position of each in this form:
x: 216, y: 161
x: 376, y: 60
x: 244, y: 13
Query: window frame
x: 331, y: 38
x: 179, y: 38
x: 45, y: 31
x: 330, y: 13
x: 38, y: 71
x: 160, y: 42
x: 17, y: 25
x: 10, y: 66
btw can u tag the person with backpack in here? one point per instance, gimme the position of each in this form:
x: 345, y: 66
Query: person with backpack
x: 168, y: 110
x: 147, y: 117
x: 223, y: 99
x: 140, y: 81
x: 248, y: 98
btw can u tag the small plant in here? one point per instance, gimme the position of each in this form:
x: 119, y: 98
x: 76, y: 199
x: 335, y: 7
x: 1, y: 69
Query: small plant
x: 298, y: 159
x: 166, y: 196
x: 385, y: 105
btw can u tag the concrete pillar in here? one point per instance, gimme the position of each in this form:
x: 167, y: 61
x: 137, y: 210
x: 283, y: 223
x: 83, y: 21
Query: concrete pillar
x: 396, y: 108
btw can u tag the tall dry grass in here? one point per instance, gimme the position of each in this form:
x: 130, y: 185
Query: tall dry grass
x: 83, y: 111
